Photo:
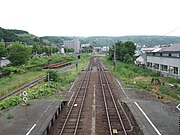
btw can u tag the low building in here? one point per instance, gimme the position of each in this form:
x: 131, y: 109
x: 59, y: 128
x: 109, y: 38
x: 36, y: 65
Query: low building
x: 105, y: 48
x: 4, y: 62
x: 165, y: 60
x: 85, y: 45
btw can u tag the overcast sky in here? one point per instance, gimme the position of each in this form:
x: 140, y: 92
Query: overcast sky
x: 92, y: 17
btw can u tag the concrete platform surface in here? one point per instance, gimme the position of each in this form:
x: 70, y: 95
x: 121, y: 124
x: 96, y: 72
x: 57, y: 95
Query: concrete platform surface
x: 154, y: 117
x: 37, y: 116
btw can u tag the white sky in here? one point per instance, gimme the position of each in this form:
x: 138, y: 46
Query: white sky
x: 91, y: 17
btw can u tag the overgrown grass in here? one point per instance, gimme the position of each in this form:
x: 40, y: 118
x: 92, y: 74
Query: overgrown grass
x: 130, y: 73
x: 56, y: 88
x: 8, y: 84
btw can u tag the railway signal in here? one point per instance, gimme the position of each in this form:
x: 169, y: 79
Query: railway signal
x: 25, y: 99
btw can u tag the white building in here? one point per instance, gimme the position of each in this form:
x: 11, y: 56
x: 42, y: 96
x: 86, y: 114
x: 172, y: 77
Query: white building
x: 105, y: 48
x: 74, y: 43
x: 85, y: 45
x: 165, y: 60
x: 4, y: 62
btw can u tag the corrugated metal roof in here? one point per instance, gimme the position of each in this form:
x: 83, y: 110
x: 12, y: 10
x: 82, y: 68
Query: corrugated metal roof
x: 173, y: 48
x: 157, y: 50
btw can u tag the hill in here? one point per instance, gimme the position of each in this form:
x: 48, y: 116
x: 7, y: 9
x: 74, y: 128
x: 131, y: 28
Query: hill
x: 9, y: 35
x: 149, y: 41
x: 18, y: 35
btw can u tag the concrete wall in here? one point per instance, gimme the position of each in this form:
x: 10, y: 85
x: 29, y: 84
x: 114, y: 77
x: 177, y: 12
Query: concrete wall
x: 166, y: 60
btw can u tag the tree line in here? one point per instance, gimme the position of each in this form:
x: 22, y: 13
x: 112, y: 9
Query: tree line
x: 123, y: 51
x: 19, y: 53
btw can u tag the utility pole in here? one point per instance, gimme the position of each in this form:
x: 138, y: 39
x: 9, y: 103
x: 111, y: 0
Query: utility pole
x: 48, y: 74
x: 114, y: 56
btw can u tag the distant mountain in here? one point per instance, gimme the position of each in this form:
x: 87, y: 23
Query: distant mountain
x: 54, y: 40
x: 149, y: 41
x: 11, y: 35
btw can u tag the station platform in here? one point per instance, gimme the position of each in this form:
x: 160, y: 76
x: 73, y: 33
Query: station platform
x: 33, y: 119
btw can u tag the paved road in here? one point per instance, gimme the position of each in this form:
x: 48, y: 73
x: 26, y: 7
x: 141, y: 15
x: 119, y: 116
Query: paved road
x: 152, y: 116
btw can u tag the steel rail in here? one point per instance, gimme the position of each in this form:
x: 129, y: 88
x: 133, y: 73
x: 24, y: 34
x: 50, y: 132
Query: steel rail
x: 105, y: 102
x: 101, y: 71
x: 24, y: 87
x: 82, y: 103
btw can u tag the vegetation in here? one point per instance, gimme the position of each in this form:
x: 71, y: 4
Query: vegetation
x: 68, y: 50
x: 8, y: 36
x: 149, y: 41
x: 18, y: 53
x: 9, y: 83
x: 25, y: 37
x: 2, y: 50
x: 56, y: 89
x: 131, y: 73
x: 87, y: 49
x: 54, y: 40
x: 124, y: 51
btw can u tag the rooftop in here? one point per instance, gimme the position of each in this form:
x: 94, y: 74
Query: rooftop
x: 173, y: 48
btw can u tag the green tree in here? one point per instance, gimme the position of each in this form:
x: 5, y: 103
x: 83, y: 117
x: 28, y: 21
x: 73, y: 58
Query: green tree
x: 67, y: 50
x: 19, y: 53
x: 121, y: 49
x: 2, y: 51
x: 52, y: 76
x: 34, y: 48
x: 128, y: 59
x: 39, y: 50
x: 55, y: 49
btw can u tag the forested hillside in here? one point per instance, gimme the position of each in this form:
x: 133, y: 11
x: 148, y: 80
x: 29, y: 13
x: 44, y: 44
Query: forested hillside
x: 18, y: 35
x: 8, y: 36
x: 23, y: 36
x: 149, y: 41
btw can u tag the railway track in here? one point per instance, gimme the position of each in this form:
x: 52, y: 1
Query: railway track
x: 94, y: 107
x: 118, y: 121
x: 71, y: 123
x: 35, y: 82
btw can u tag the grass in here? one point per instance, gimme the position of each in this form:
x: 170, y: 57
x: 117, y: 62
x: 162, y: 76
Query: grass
x: 56, y: 90
x: 130, y: 73
x: 8, y: 84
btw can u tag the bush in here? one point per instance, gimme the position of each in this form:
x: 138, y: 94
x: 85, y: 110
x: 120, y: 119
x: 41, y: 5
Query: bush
x: 12, y: 69
x: 52, y: 76
x: 34, y: 69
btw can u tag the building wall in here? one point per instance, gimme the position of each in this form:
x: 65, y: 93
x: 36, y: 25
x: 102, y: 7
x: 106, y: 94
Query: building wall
x: 168, y: 65
x: 74, y: 43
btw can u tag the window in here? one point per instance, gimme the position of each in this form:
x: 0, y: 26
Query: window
x: 149, y: 64
x: 156, y: 66
x: 169, y: 54
x: 160, y: 54
x: 164, y: 68
x: 175, y: 70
